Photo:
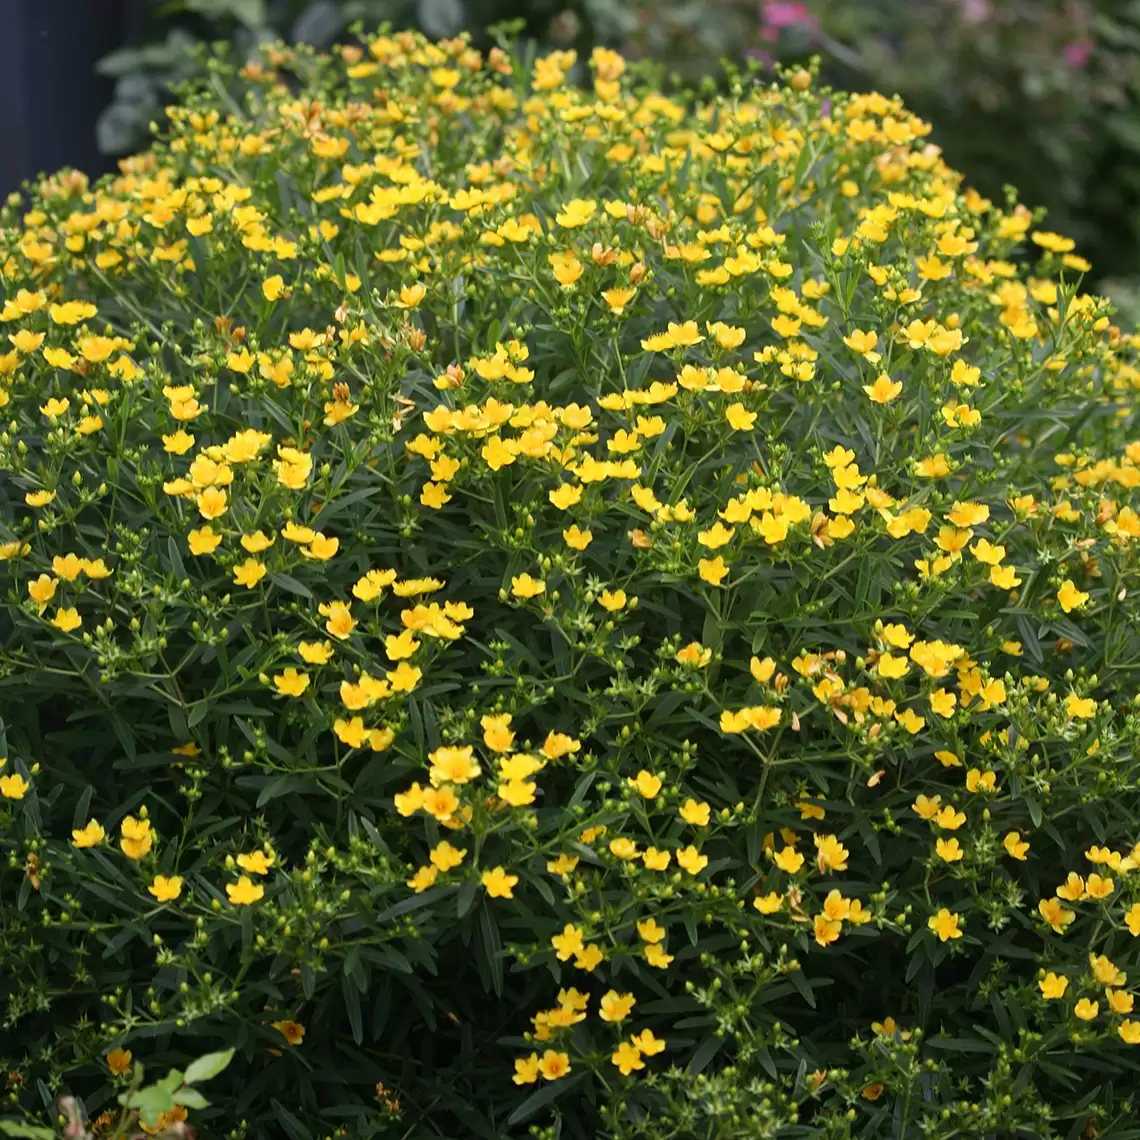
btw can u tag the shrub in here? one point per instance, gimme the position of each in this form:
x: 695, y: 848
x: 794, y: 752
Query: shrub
x: 540, y: 609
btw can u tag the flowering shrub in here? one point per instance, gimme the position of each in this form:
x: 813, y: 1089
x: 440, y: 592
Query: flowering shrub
x: 532, y: 610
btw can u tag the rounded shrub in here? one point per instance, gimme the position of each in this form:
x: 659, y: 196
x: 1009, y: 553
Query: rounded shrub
x: 531, y: 610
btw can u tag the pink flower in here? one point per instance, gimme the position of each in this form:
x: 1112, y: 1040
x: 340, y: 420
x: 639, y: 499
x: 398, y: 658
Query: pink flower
x: 1077, y: 53
x: 975, y: 11
x: 786, y: 14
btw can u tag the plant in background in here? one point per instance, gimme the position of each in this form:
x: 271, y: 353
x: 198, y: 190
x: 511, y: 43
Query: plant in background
x: 158, y: 1109
x: 1042, y: 95
x: 540, y: 609
x: 176, y: 39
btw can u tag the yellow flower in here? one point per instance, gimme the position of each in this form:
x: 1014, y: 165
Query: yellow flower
x: 67, y: 620
x: 627, y: 1058
x: 1056, y: 915
x: 1132, y: 919
x: 340, y: 622
x: 212, y: 503
x: 244, y: 892
x: 694, y: 813
x: 204, y: 540
x: 949, y: 818
x: 411, y: 295
x: 524, y: 586
x: 292, y: 1031
x: 119, y: 1061
x: 788, y: 859
x: 315, y: 652
x: 14, y: 787
x: 576, y: 538
x: 291, y: 682
x: 1081, y: 708
x: 575, y: 213
x: 1053, y: 985
x: 1070, y: 597
x: 1099, y: 887
x: 445, y: 857
x: 646, y: 784
x: 1119, y: 1001
x: 526, y: 1070
x: 1086, y: 1010
x: 739, y: 418
x: 89, y: 835
x: 424, y: 878
x: 612, y: 600
x: 553, y: 1065
x: 71, y: 312
x: 884, y: 389
x: 322, y: 548
x: 42, y: 590
x: 1129, y: 1031
x: 945, y: 924
x: 498, y: 883
x: 166, y: 889
x: 830, y: 854
x: 58, y: 358
x: 135, y: 837
x: 979, y: 781
x: 1072, y: 889
x: 692, y: 860
x: 564, y: 865
x: 712, y: 570
x: 649, y: 931
x: 615, y: 1006
x: 826, y: 930
x: 566, y: 267
x: 568, y: 943
x: 1106, y: 971
x: 273, y: 287
x: 949, y: 850
x: 439, y: 803
x: 256, y: 862
x: 863, y: 343
x: 565, y: 496
x: 769, y: 903
x: 1015, y: 846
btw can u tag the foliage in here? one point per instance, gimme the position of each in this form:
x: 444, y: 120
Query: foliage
x: 1042, y: 95
x: 158, y: 1109
x: 176, y: 39
x: 532, y: 609
x: 1038, y: 93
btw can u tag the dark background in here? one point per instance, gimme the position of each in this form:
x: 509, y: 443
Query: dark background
x: 50, y: 93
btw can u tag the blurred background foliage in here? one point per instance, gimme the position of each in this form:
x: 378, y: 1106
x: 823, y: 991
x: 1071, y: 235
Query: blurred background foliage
x: 1041, y: 94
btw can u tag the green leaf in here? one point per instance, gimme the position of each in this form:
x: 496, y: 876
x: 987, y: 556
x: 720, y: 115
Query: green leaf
x: 352, y: 1008
x: 706, y: 1051
x: 208, y: 1066
x: 25, y: 1131
x: 543, y: 1097
x: 291, y: 584
x: 251, y: 13
x: 151, y: 1103
x: 191, y: 1098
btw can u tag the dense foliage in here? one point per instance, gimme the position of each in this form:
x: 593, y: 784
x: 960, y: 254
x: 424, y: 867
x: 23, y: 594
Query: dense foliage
x: 1042, y: 94
x: 526, y: 607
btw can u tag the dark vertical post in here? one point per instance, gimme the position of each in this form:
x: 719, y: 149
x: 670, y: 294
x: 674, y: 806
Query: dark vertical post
x: 50, y: 94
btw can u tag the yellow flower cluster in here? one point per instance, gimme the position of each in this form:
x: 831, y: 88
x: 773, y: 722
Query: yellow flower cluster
x: 583, y: 553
